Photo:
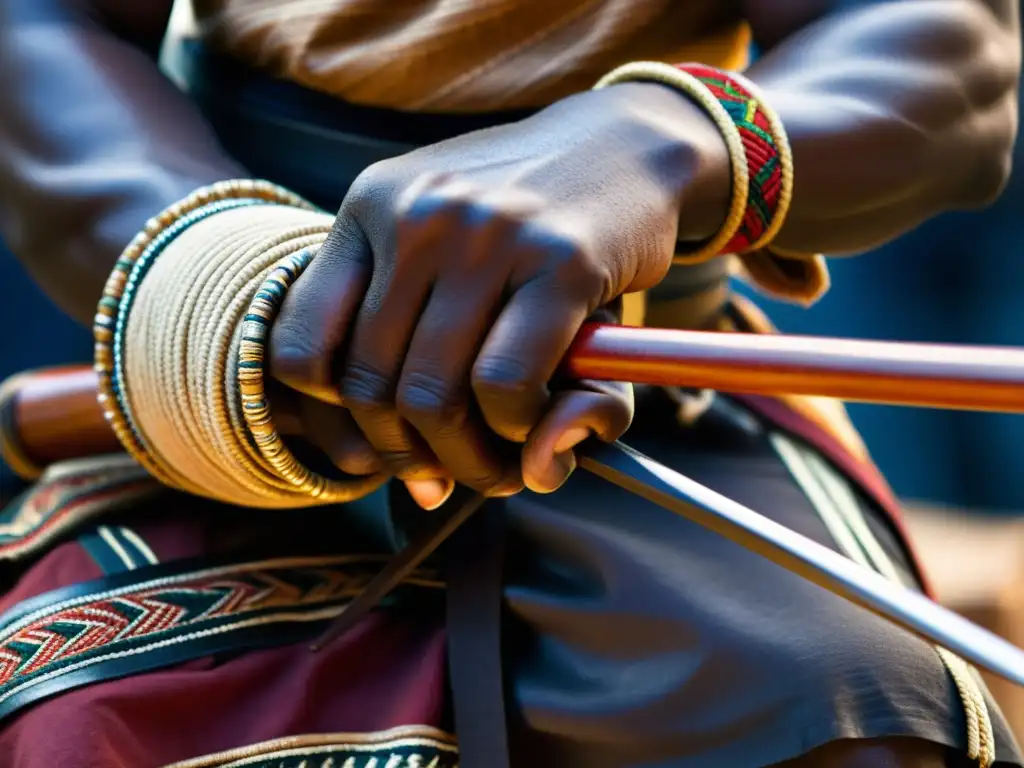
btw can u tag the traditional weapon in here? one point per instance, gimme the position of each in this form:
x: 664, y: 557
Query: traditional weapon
x: 943, y: 376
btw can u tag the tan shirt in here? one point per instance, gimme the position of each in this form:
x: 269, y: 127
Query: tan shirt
x: 466, y: 55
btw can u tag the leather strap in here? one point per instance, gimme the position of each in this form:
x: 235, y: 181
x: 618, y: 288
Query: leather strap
x: 475, y: 599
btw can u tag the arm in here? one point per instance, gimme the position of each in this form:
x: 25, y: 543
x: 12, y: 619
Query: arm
x: 897, y: 111
x: 94, y: 139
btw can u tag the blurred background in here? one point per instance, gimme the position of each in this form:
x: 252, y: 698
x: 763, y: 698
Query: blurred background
x: 959, y: 278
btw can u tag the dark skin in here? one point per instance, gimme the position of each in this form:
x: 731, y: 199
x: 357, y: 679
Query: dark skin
x: 502, y: 243
x: 456, y: 276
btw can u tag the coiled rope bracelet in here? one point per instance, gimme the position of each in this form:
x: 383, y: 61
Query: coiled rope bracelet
x: 180, y: 339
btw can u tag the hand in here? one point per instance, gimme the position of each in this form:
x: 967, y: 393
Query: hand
x: 457, y: 276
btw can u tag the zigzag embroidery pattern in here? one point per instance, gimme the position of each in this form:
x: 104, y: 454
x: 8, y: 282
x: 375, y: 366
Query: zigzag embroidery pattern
x: 156, y: 614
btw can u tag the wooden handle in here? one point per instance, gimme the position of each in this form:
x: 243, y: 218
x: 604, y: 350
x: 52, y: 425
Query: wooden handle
x: 882, y: 372
x: 52, y: 415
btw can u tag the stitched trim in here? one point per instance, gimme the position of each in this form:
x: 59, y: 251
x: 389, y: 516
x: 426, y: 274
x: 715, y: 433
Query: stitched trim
x: 143, y: 551
x: 99, y: 549
x: 65, y: 497
x: 403, y: 747
x: 45, y: 647
x: 117, y: 549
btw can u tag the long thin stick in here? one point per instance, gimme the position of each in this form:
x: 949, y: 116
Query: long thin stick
x: 929, y: 375
x: 661, y: 485
x: 54, y: 414
x: 621, y: 465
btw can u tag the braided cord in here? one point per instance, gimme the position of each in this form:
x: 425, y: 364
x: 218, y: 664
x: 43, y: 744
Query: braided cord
x: 181, y: 367
x: 105, y: 321
x: 761, y: 160
x: 769, y: 157
x: 691, y: 86
x: 136, y: 274
x: 189, y: 363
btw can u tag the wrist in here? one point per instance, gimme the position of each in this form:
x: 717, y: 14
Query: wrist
x: 684, y: 151
x: 760, y: 161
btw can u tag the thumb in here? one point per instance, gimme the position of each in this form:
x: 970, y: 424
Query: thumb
x: 601, y: 409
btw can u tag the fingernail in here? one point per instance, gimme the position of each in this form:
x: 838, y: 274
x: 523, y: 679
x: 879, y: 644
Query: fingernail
x: 431, y: 493
x: 554, y: 475
x: 571, y: 439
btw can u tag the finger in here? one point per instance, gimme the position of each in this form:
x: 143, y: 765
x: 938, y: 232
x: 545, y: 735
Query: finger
x: 313, y: 323
x: 604, y: 409
x: 329, y: 428
x: 284, y: 408
x: 521, y: 354
x: 434, y: 394
x: 380, y: 339
x: 333, y: 430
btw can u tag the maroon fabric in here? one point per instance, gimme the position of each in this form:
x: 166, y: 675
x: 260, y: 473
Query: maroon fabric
x: 389, y: 671
x: 63, y: 566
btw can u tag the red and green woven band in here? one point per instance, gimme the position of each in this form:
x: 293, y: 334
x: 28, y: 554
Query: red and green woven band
x: 765, y: 158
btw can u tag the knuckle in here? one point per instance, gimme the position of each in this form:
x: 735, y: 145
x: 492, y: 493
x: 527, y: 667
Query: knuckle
x: 558, y: 242
x: 471, y: 204
x: 375, y: 181
x: 593, y: 280
x: 433, y: 403
x: 430, y: 195
x: 366, y: 390
x: 510, y: 396
x: 382, y: 174
x: 291, y: 339
x: 501, y: 376
x: 405, y: 463
x: 569, y: 260
x: 582, y: 275
x: 293, y: 353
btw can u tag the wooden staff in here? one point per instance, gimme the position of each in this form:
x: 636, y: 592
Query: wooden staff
x: 52, y: 415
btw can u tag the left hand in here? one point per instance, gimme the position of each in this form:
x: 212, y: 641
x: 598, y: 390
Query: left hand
x: 457, y: 276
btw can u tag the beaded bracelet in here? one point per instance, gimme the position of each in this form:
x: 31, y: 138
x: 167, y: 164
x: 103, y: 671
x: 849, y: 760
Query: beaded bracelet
x: 769, y: 157
x: 759, y: 152
x: 691, y: 86
x: 106, y: 356
x: 255, y: 407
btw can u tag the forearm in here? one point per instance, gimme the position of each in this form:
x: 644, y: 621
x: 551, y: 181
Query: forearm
x: 896, y: 111
x: 93, y: 141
